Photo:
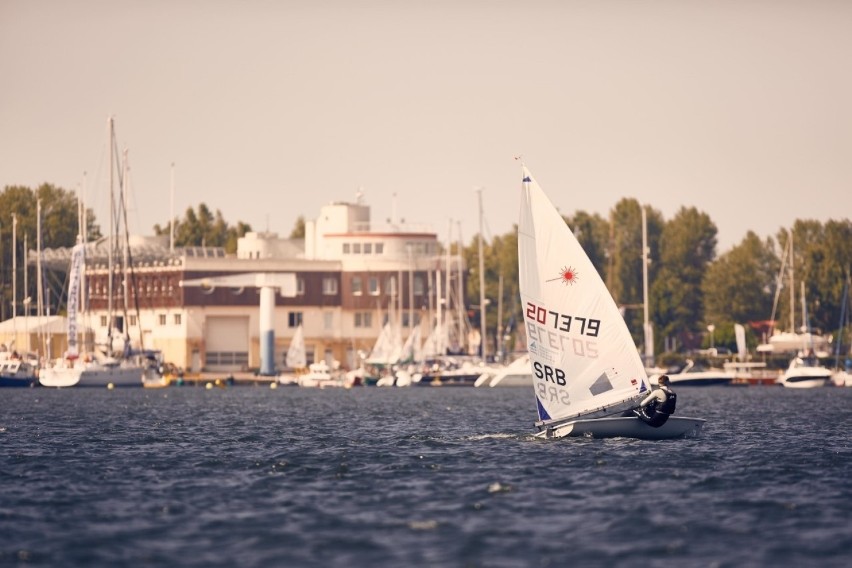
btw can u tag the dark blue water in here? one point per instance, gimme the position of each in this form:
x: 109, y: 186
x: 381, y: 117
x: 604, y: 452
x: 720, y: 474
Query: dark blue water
x: 249, y: 476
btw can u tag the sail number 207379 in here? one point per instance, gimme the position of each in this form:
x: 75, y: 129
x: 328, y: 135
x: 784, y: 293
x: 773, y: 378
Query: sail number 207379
x: 563, y: 322
x: 562, y: 333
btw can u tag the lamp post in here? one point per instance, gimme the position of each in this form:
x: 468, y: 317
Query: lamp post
x: 711, y: 328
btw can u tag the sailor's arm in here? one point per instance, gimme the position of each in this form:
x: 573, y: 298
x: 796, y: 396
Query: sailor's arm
x: 656, y: 394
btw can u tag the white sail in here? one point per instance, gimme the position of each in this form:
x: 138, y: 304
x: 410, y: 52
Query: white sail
x: 584, y: 360
x: 296, y: 357
x: 411, y: 349
x: 383, y: 350
x: 77, y: 257
x: 739, y: 333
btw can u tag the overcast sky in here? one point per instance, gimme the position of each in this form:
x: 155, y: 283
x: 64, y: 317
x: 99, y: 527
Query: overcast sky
x: 271, y: 109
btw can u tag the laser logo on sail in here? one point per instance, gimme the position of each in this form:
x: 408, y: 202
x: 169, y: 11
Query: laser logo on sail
x: 568, y: 275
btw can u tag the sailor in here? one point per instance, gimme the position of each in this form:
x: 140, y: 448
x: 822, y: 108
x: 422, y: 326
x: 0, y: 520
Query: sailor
x: 656, y: 408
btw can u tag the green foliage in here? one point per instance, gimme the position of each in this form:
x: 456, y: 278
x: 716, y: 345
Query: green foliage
x: 738, y: 287
x: 202, y: 228
x: 298, y: 231
x: 59, y: 228
x: 687, y: 247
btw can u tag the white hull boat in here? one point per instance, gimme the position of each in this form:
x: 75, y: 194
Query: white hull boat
x: 693, y: 375
x: 319, y: 376
x: 518, y: 373
x: 586, y: 371
x: 804, y: 375
x: 93, y: 374
x: 625, y: 427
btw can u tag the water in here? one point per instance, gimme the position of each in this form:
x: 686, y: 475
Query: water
x: 249, y: 476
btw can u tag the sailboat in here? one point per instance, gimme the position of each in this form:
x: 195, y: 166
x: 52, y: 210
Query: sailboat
x: 586, y: 369
x: 805, y: 370
x: 296, y: 359
x: 108, y: 367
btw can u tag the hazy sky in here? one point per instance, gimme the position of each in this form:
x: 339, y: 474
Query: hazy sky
x: 271, y: 109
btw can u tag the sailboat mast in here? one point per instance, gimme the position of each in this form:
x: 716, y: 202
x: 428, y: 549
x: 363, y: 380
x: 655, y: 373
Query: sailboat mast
x: 172, y: 211
x: 649, y: 334
x: 111, y: 232
x: 448, y: 271
x: 792, y: 289
x: 460, y: 290
x: 14, y: 269
x: 481, y: 284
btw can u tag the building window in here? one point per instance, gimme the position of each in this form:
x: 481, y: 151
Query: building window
x: 328, y: 320
x: 356, y: 248
x: 363, y: 319
x: 368, y: 248
x: 374, y: 286
x: 380, y: 247
x: 103, y: 321
x: 390, y: 286
x: 162, y: 319
x: 329, y: 286
x: 356, y: 286
x: 418, y: 285
x: 294, y: 319
x: 345, y: 248
x: 177, y: 319
x: 300, y: 286
x: 132, y: 320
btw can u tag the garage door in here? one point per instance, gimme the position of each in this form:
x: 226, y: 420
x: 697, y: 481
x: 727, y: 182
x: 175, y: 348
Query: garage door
x: 227, y: 342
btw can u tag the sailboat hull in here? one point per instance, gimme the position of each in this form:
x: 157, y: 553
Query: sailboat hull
x: 626, y: 427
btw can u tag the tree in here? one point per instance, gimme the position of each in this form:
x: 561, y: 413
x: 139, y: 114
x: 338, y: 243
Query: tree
x: 624, y: 276
x: 738, y: 286
x: 592, y: 232
x: 203, y: 228
x: 59, y: 228
x: 822, y: 258
x: 298, y: 231
x: 687, y: 246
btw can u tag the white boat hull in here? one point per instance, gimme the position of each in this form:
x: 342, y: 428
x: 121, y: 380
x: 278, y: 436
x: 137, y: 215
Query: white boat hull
x: 626, y: 427
x: 63, y: 377
x: 803, y: 376
x: 800, y: 382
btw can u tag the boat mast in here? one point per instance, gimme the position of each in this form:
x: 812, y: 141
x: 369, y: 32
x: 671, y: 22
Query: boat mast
x: 649, y: 332
x: 172, y: 215
x: 460, y: 315
x: 792, y: 289
x: 482, y: 350
x: 111, y: 233
x: 15, y: 271
x: 448, y: 270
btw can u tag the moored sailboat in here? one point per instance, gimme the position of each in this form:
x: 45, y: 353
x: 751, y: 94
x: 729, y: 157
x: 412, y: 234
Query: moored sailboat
x: 586, y: 369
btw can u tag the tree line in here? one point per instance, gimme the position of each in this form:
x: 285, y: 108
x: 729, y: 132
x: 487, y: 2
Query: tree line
x: 690, y: 286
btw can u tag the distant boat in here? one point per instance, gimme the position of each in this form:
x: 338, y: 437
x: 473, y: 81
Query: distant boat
x: 320, y: 375
x: 791, y: 340
x: 804, y: 373
x: 16, y: 371
x: 518, y: 373
x: 586, y: 369
x: 296, y: 359
x: 109, y: 366
x: 694, y: 375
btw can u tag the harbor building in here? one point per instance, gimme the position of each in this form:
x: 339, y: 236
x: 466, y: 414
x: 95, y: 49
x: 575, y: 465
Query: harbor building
x: 351, y: 276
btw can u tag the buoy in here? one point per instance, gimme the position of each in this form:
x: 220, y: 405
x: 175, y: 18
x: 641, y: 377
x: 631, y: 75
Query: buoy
x: 273, y: 385
x: 110, y: 386
x: 208, y: 386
